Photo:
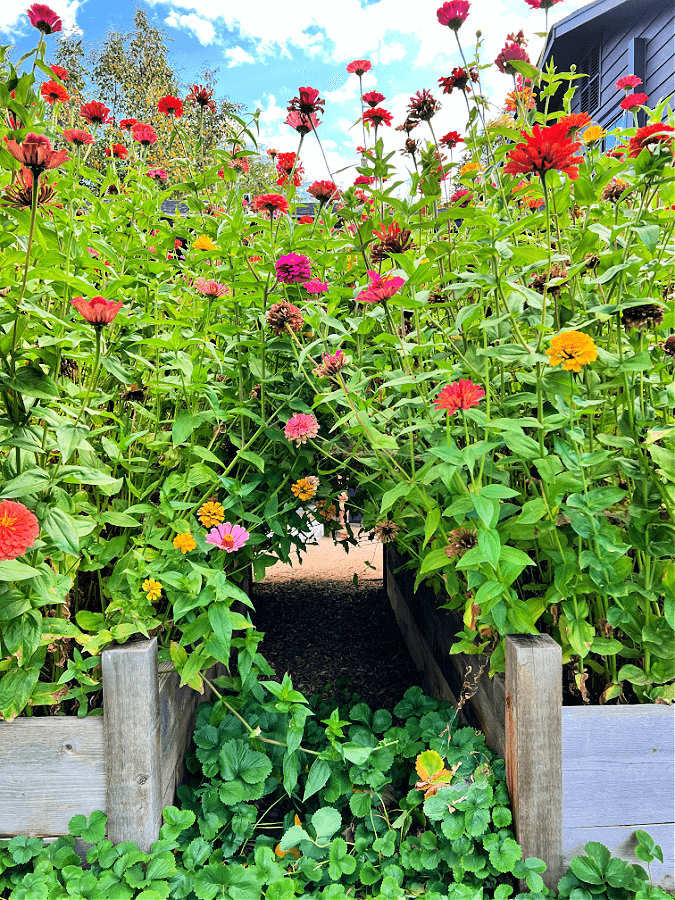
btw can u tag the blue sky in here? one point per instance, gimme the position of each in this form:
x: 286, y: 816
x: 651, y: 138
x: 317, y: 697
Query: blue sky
x: 266, y: 49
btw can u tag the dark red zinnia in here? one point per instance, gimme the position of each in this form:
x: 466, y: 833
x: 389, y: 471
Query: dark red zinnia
x: 651, y: 136
x: 128, y: 124
x: 202, y: 97
x: 450, y: 140
x: 459, y: 78
x: 118, y: 151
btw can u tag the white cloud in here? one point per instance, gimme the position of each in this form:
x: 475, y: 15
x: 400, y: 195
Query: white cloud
x: 13, y: 16
x: 201, y: 28
x: 237, y: 56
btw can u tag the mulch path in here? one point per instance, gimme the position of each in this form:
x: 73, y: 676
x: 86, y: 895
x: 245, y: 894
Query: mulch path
x: 334, y: 633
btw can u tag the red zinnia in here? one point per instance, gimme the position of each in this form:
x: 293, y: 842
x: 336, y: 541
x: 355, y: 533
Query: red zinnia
x: 373, y: 98
x: 36, y: 154
x: 462, y: 194
x: 59, y: 72
x: 307, y: 103
x: 545, y: 149
x: 201, y: 96
x: 632, y: 101
x: 364, y: 179
x: 305, y: 220
x: 377, y: 116
x: 78, y: 136
x: 98, y: 310
x: 285, y: 163
x: 651, y: 136
x: 509, y: 53
x: 453, y: 14
x: 462, y: 394
x: 458, y: 78
x: 95, y: 113
x: 359, y: 67
x: 323, y: 191
x: 628, y: 82
x: 119, y: 151
x: 44, y: 19
x: 19, y: 529
x: 270, y: 204
x: 144, y: 134
x: 575, y: 122
x: 171, y: 106
x: 450, y: 140
x: 128, y: 124
x: 53, y: 92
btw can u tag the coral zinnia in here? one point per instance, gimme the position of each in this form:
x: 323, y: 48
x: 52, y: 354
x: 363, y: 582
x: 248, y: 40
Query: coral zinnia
x: 94, y: 112
x: 633, y: 101
x: 53, y: 92
x: 171, y: 106
x: 573, y: 349
x: 293, y: 268
x: 128, y: 124
x: 453, y: 14
x: 300, y: 427
x: 287, y: 163
x: 144, y: 134
x: 118, y: 151
x: 184, y: 543
x: 211, y: 288
x: 211, y: 513
x: 380, y: 288
x: 157, y: 173
x: 628, y: 82
x: 36, y: 153
x: 545, y: 149
x: 651, y: 136
x: 270, y: 204
x: 98, y: 310
x: 575, y: 122
x: 359, y: 67
x: 377, y: 116
x: 78, y: 136
x: 373, y: 98
x: 323, y: 191
x: 44, y: 19
x: 462, y: 394
x: 228, y: 537
x: 59, y: 72
x: 19, y: 529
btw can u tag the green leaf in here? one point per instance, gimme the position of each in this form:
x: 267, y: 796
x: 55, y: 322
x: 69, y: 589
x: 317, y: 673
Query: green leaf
x: 183, y: 427
x: 33, y: 382
x: 239, y: 760
x: 490, y: 546
x: 326, y: 822
x: 120, y: 520
x: 317, y: 778
x: 292, y: 837
x: 91, y: 831
x: 340, y: 861
x: 61, y: 529
x: 177, y: 821
x: 162, y: 866
x: 431, y: 524
x: 16, y: 686
x: 220, y: 620
x: 12, y: 570
x: 434, y: 560
x: 253, y: 458
x: 389, y: 498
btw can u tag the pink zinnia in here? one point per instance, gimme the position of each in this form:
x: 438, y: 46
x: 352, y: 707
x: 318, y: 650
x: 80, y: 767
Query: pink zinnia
x: 315, y: 286
x: 98, y: 310
x: 211, y: 288
x: 628, y: 82
x: 463, y: 195
x: 19, y: 529
x: 364, y: 179
x: 144, y: 134
x: 359, y: 67
x: 293, y: 268
x: 95, y: 113
x: 158, y: 174
x: 453, y: 14
x: 373, y: 98
x: 271, y: 204
x: 44, y: 19
x: 78, y: 136
x: 633, y: 101
x: 300, y: 427
x: 227, y: 537
x: 36, y: 154
x: 301, y: 123
x: 462, y: 394
x: 542, y: 4
x: 508, y: 54
x: 380, y: 288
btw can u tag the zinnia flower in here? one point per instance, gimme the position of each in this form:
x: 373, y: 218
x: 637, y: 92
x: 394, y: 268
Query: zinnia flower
x: 282, y: 316
x: 19, y: 529
x: 44, y: 19
x: 202, y: 97
x: 98, y: 310
x: 204, y: 242
x: 463, y: 195
x: 305, y: 220
x: 359, y: 67
x: 545, y: 149
x: 364, y: 179
x: 422, y: 106
x: 211, y: 288
x: 171, y: 106
x: 302, y: 123
x: 593, y: 133
x: 373, y: 98
x: 377, y: 116
x: 304, y: 488
x: 19, y: 194
x: 36, y: 154
x: 573, y: 349
x: 331, y: 364
x: 380, y: 288
x: 53, y: 92
x: 95, y: 113
x: 542, y: 4
x: 59, y: 72
x: 386, y: 531
x: 649, y: 315
x: 128, y: 124
x: 508, y: 54
x: 651, y: 136
x: 323, y: 191
x: 461, y: 540
x: 228, y: 537
x: 184, y: 543
x: 326, y: 510
x: 300, y: 427
x: 78, y: 136
x: 307, y: 103
x: 453, y: 14
x: 152, y: 588
x: 118, y: 151
x: 575, y: 122
x: 211, y: 513
x: 293, y: 268
x: 633, y: 101
x: 628, y: 82
x: 286, y: 163
x: 450, y: 140
x: 459, y: 78
x: 144, y: 134
x: 462, y: 394
x: 270, y: 204
x: 315, y: 286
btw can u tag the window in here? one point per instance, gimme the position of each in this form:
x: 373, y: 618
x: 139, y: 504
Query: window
x: 589, y: 92
x: 611, y: 140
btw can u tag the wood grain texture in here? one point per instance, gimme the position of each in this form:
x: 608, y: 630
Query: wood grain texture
x: 534, y: 747
x: 51, y: 769
x: 622, y: 843
x: 133, y: 750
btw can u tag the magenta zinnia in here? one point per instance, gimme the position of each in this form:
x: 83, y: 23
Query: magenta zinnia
x: 44, y: 19
x: 628, y: 82
x: 453, y: 14
x: 301, y: 427
x: 509, y: 53
x: 545, y: 149
x: 373, y: 98
x: 462, y: 394
x: 293, y: 268
x: 227, y: 537
x: 380, y: 288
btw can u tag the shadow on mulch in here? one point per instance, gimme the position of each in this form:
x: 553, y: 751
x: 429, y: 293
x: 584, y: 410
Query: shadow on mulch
x: 335, y: 633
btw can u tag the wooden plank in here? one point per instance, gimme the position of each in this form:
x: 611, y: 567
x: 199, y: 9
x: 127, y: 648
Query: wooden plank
x: 621, y: 842
x: 133, y: 752
x: 534, y: 747
x: 53, y: 768
x: 619, y: 765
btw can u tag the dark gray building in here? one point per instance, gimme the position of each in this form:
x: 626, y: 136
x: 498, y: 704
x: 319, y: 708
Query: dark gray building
x: 609, y: 39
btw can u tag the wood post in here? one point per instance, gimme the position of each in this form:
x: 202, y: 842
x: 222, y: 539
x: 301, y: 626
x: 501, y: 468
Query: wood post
x: 534, y: 748
x: 133, y: 752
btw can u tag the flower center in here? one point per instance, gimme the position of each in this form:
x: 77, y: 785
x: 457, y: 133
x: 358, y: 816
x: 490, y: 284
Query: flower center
x: 7, y: 520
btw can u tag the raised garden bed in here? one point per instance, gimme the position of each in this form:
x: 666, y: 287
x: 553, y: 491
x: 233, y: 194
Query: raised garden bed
x: 575, y: 773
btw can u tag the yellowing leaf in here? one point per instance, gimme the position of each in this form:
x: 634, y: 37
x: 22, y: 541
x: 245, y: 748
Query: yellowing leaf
x: 432, y: 772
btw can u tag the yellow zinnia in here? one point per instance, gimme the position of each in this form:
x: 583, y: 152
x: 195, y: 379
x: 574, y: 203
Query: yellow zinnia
x: 152, y: 588
x: 184, y: 543
x: 204, y: 242
x: 303, y: 489
x: 211, y: 514
x: 573, y: 349
x: 470, y: 168
x: 593, y: 133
